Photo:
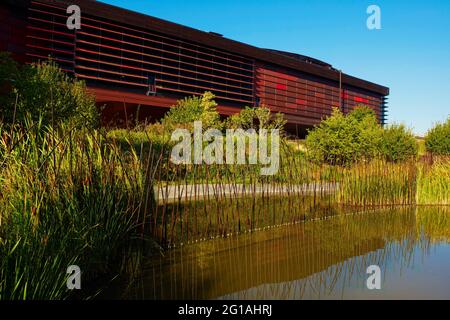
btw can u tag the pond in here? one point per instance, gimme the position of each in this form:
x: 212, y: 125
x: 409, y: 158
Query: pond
x: 320, y: 259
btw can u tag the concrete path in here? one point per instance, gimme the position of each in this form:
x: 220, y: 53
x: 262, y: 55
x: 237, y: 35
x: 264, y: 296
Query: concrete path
x: 186, y: 193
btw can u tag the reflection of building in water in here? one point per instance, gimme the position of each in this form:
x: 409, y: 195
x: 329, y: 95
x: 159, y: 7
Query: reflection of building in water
x: 285, y: 263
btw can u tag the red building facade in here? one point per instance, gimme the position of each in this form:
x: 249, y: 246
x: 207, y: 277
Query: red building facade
x: 135, y: 62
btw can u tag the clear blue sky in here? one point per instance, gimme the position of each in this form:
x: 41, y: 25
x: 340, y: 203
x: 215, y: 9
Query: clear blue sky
x: 410, y: 54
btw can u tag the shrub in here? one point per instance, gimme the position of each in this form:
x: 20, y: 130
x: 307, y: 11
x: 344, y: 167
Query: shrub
x: 398, y: 143
x: 342, y: 140
x: 369, y: 132
x: 256, y: 118
x: 44, y: 91
x: 197, y: 108
x: 437, y: 140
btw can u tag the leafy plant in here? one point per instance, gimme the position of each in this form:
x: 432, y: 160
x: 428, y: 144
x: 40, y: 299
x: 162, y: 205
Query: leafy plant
x: 256, y: 118
x: 197, y: 108
x: 437, y: 140
x: 398, y: 143
x: 46, y: 93
x: 343, y: 140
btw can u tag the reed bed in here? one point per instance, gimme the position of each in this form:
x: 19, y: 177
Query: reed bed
x: 72, y: 197
x: 67, y: 197
x: 200, y: 202
x: 378, y: 183
x: 433, y: 183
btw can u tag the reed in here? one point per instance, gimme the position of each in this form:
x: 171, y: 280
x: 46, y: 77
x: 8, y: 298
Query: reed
x: 67, y: 197
x: 378, y: 183
x: 433, y: 183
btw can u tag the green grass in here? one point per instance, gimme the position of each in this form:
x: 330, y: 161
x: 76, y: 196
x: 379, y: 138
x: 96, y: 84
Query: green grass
x: 76, y: 197
x: 422, y: 149
x: 67, y: 197
x: 434, y: 182
x: 378, y: 183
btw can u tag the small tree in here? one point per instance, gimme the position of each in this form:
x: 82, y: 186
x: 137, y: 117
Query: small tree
x: 43, y: 91
x: 256, y: 118
x: 437, y: 140
x: 398, y: 143
x: 197, y: 108
x: 342, y: 140
x: 369, y: 132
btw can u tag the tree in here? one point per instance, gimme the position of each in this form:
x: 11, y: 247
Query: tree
x: 437, y: 140
x: 342, y: 140
x: 256, y: 118
x: 197, y: 108
x: 398, y: 143
x: 42, y: 91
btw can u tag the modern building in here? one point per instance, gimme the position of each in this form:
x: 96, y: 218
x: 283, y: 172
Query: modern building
x: 138, y: 65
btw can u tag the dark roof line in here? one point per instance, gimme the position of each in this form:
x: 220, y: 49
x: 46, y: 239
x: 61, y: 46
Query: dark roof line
x: 302, y: 58
x: 140, y: 20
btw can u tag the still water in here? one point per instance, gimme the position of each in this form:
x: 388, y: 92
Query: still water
x: 322, y: 259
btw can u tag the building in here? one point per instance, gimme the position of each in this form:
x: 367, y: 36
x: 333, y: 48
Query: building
x: 138, y: 65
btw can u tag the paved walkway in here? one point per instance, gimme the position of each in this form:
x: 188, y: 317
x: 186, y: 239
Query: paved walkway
x: 193, y: 192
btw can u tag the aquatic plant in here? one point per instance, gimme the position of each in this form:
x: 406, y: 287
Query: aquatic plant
x: 67, y: 197
x: 433, y: 182
x: 378, y: 183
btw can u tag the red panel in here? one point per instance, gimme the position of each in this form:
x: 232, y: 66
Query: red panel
x: 362, y: 100
x: 281, y: 87
x: 306, y: 97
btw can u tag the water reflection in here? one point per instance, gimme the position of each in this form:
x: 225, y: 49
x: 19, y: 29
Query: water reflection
x: 311, y: 260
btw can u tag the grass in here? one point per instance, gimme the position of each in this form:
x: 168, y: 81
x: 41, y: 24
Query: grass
x: 67, y: 197
x: 378, y: 183
x: 73, y: 197
x: 434, y: 182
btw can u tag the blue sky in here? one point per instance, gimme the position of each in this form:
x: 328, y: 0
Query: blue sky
x: 410, y: 54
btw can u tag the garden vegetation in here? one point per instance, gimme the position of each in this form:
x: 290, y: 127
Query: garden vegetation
x: 437, y: 140
x: 347, y: 139
x: 72, y: 193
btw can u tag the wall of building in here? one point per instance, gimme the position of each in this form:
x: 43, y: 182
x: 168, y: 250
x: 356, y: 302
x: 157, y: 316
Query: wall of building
x: 307, y: 97
x: 129, y: 66
x: 13, y: 30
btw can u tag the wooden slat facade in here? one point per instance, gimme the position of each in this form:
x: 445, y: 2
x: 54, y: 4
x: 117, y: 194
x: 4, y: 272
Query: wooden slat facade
x: 164, y: 62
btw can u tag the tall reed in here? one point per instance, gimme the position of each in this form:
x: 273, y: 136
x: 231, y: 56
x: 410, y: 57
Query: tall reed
x: 433, y: 183
x: 378, y: 183
x: 67, y: 197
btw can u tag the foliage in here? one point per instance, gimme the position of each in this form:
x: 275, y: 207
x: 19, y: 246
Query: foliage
x: 433, y: 182
x: 256, y: 118
x: 197, y: 108
x: 398, y: 143
x: 73, y: 198
x: 43, y: 91
x: 378, y: 183
x: 154, y: 138
x: 343, y: 140
x: 9, y: 72
x: 437, y: 140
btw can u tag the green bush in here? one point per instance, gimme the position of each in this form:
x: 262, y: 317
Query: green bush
x: 342, y: 140
x: 197, y: 108
x: 437, y: 140
x: 398, y: 143
x: 44, y: 91
x: 256, y: 118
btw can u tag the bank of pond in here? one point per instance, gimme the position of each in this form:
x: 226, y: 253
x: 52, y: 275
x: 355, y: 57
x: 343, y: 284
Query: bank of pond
x: 79, y: 199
